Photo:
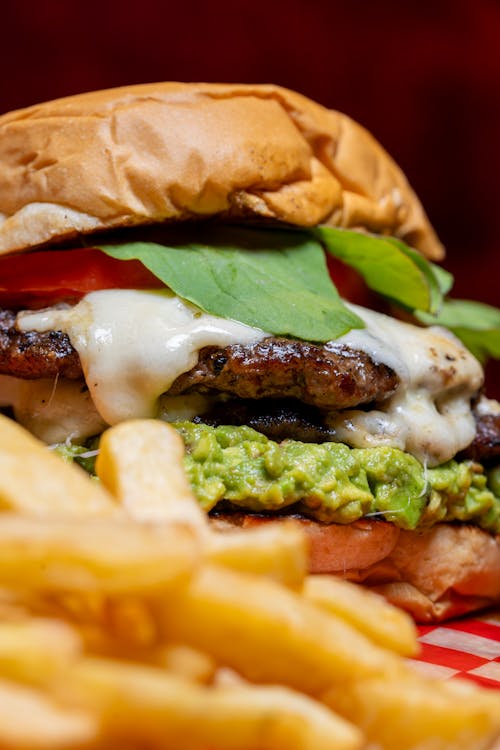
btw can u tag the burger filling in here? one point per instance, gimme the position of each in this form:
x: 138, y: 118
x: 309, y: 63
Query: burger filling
x: 304, y: 402
x: 135, y: 346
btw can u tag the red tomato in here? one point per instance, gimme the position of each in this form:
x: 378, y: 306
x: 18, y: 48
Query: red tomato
x: 349, y: 283
x: 44, y: 277
x: 47, y: 276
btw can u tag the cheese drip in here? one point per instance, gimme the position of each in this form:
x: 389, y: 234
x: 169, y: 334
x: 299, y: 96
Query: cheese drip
x: 430, y: 414
x: 134, y: 344
x: 53, y: 410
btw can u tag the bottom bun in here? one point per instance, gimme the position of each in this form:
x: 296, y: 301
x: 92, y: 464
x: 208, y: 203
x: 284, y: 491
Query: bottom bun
x: 434, y: 574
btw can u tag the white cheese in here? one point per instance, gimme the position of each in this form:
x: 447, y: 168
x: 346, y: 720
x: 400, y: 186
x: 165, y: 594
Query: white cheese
x: 184, y: 408
x: 430, y: 414
x: 487, y: 407
x: 134, y: 344
x: 53, y: 410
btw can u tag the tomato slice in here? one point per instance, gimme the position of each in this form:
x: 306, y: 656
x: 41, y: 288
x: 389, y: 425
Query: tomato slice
x: 350, y: 284
x: 44, y: 277
x: 48, y: 276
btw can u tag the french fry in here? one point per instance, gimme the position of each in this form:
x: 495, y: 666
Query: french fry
x: 36, y: 482
x: 183, y: 661
x: 268, y: 633
x: 107, y: 556
x: 118, y: 631
x: 13, y: 608
x: 131, y: 621
x: 31, y: 720
x: 367, y: 612
x: 163, y: 710
x: 141, y: 464
x: 403, y: 710
x: 36, y: 650
x: 276, y: 550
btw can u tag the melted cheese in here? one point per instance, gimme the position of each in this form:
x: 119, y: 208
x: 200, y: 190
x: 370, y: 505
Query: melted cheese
x: 430, y: 414
x: 487, y: 407
x: 53, y: 410
x: 134, y: 344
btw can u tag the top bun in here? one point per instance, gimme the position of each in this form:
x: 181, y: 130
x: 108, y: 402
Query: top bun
x: 174, y: 151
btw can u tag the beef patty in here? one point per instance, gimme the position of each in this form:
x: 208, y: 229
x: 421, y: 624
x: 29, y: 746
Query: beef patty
x: 485, y: 447
x: 278, y: 419
x: 278, y: 386
x: 329, y: 378
x: 33, y: 355
x: 289, y: 419
x: 336, y: 378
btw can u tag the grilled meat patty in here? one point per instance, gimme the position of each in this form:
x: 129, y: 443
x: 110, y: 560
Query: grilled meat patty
x: 289, y: 419
x: 485, y: 447
x: 278, y: 386
x: 278, y: 419
x: 33, y: 355
x: 336, y: 378
x: 329, y: 378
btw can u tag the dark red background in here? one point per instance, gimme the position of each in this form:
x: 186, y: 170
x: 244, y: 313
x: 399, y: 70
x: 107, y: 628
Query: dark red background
x: 423, y: 76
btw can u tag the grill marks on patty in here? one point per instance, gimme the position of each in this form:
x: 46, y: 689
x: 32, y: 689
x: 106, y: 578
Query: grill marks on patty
x: 278, y: 386
x: 31, y: 355
x: 278, y: 419
x: 335, y: 378
x: 329, y: 378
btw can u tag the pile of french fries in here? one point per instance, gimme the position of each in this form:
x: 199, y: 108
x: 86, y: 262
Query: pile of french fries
x: 126, y: 622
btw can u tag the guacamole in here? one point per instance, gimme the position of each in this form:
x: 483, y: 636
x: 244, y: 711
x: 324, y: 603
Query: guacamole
x: 329, y: 482
x: 332, y: 482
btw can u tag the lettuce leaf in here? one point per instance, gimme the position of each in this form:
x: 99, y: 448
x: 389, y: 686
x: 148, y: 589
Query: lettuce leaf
x: 278, y: 281
x: 389, y: 267
x: 273, y: 280
x: 439, y: 281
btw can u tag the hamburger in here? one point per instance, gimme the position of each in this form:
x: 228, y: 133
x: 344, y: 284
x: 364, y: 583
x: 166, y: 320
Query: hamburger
x: 197, y: 253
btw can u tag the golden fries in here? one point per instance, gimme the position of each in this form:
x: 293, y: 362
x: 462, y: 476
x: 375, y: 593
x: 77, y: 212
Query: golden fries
x: 108, y: 556
x: 151, y: 706
x: 276, y: 550
x: 31, y: 720
x: 404, y: 711
x: 36, y: 649
x: 183, y: 661
x: 117, y: 630
x: 268, y: 633
x: 154, y: 488
x: 366, y: 611
x: 36, y: 482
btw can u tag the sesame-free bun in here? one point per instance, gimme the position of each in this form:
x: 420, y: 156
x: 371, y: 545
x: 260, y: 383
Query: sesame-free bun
x: 174, y: 151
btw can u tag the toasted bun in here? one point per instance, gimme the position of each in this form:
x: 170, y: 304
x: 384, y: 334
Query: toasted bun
x: 434, y: 574
x: 173, y: 151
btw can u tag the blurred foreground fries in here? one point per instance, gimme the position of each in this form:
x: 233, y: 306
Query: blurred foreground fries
x: 125, y: 621
x: 387, y: 626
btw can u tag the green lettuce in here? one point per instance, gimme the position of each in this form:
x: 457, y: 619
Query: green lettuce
x: 273, y: 280
x: 277, y: 280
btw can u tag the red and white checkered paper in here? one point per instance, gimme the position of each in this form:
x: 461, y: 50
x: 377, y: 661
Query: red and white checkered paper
x: 469, y: 647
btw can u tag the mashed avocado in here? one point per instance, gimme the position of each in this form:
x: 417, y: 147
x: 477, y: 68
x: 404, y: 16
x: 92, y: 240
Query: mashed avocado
x: 329, y: 481
x: 332, y: 482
